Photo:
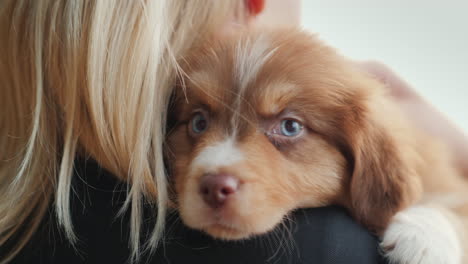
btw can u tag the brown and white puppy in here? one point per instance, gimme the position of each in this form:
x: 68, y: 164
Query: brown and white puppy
x: 274, y: 121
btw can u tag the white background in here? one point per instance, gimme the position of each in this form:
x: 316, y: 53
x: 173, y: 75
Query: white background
x: 424, y: 41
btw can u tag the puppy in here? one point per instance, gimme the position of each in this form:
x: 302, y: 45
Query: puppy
x: 274, y: 121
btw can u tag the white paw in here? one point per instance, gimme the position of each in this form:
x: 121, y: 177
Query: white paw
x: 421, y: 235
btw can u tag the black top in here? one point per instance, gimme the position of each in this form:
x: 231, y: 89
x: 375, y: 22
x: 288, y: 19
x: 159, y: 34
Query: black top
x: 320, y: 236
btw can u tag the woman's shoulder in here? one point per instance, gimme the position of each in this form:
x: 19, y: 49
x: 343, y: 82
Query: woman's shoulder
x: 322, y: 235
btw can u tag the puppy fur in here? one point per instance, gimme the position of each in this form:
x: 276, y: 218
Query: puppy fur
x: 355, y: 150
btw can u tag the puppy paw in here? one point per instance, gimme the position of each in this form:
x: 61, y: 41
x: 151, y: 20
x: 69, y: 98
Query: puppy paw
x: 422, y: 235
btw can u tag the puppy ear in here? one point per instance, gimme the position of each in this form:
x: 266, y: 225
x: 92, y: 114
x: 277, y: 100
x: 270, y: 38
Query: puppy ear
x: 383, y: 179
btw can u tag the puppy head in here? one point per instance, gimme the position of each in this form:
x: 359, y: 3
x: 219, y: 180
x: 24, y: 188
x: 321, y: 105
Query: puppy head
x: 270, y: 122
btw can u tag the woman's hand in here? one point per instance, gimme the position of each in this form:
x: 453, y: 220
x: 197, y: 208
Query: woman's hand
x: 422, y: 113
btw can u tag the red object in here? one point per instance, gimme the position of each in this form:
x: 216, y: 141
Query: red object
x: 255, y: 6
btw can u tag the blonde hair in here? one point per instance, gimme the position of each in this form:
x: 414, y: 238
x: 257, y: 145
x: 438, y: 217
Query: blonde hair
x: 89, y: 78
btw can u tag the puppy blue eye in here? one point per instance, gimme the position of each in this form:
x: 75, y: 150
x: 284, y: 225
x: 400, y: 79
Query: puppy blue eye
x: 290, y: 127
x: 199, y: 123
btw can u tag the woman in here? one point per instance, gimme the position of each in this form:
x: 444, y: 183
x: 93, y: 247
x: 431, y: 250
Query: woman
x: 91, y: 80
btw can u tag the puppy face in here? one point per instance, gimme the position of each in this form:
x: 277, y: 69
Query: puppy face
x: 265, y: 124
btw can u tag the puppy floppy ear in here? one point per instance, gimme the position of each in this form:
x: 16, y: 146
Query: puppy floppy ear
x: 383, y: 180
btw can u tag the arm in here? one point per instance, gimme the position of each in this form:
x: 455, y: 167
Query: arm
x: 422, y: 113
x: 322, y: 235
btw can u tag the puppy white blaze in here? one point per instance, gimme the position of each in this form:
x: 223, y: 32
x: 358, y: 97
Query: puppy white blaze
x: 422, y: 235
x: 224, y: 153
x: 250, y: 56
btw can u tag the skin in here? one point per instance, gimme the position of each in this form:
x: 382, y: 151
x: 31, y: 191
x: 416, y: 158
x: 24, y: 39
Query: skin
x: 280, y: 13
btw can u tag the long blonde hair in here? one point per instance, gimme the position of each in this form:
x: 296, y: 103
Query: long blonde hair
x: 92, y: 78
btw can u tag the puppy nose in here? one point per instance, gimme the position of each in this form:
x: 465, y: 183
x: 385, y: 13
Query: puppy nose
x: 216, y: 188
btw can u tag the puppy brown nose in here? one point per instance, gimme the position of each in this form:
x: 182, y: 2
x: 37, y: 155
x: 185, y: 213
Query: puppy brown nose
x: 216, y: 188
